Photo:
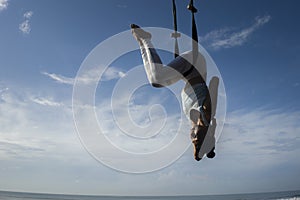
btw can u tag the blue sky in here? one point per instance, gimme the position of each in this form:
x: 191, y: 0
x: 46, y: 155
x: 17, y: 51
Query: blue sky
x: 255, y: 45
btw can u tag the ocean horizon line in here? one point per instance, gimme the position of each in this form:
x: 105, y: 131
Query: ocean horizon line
x: 168, y: 195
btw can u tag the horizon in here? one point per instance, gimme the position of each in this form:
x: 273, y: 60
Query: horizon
x: 187, y: 195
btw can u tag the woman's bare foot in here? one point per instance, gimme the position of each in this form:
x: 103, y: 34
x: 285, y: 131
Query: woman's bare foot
x: 139, y: 33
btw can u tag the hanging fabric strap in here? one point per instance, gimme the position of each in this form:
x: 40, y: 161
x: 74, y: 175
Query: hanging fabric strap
x: 194, y: 35
x: 195, y: 53
x: 175, y: 34
x: 194, y: 31
x: 194, y: 39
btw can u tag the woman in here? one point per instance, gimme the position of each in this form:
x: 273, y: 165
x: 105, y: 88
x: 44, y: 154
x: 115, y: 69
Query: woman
x: 195, y: 95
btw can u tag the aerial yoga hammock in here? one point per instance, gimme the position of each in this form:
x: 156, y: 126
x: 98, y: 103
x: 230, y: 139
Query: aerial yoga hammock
x: 195, y: 95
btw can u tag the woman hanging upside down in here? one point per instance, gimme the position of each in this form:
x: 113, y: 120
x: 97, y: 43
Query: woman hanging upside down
x: 195, y: 95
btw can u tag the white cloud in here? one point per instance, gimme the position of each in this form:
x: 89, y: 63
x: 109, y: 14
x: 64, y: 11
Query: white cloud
x: 25, y: 27
x: 112, y: 73
x: 264, y: 137
x: 2, y: 93
x: 28, y: 15
x: 35, y: 139
x: 89, y: 77
x: 46, y: 102
x: 254, y: 146
x: 92, y: 75
x: 144, y: 119
x: 3, y: 4
x: 59, y: 78
x: 231, y: 37
x: 29, y: 131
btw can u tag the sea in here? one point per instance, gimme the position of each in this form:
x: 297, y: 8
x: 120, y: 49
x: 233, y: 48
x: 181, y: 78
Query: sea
x: 288, y: 195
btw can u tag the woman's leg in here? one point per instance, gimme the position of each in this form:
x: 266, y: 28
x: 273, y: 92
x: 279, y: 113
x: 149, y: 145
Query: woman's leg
x: 158, y: 74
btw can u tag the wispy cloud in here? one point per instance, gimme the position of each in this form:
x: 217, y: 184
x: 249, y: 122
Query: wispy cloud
x: 28, y: 15
x: 262, y: 135
x: 59, y: 78
x: 232, y: 37
x: 44, y: 137
x: 28, y: 130
x: 255, y: 144
x: 15, y: 148
x: 46, y: 102
x: 112, y: 73
x: 3, y: 4
x: 89, y: 77
x: 25, y: 27
x: 141, y: 120
x: 2, y: 92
